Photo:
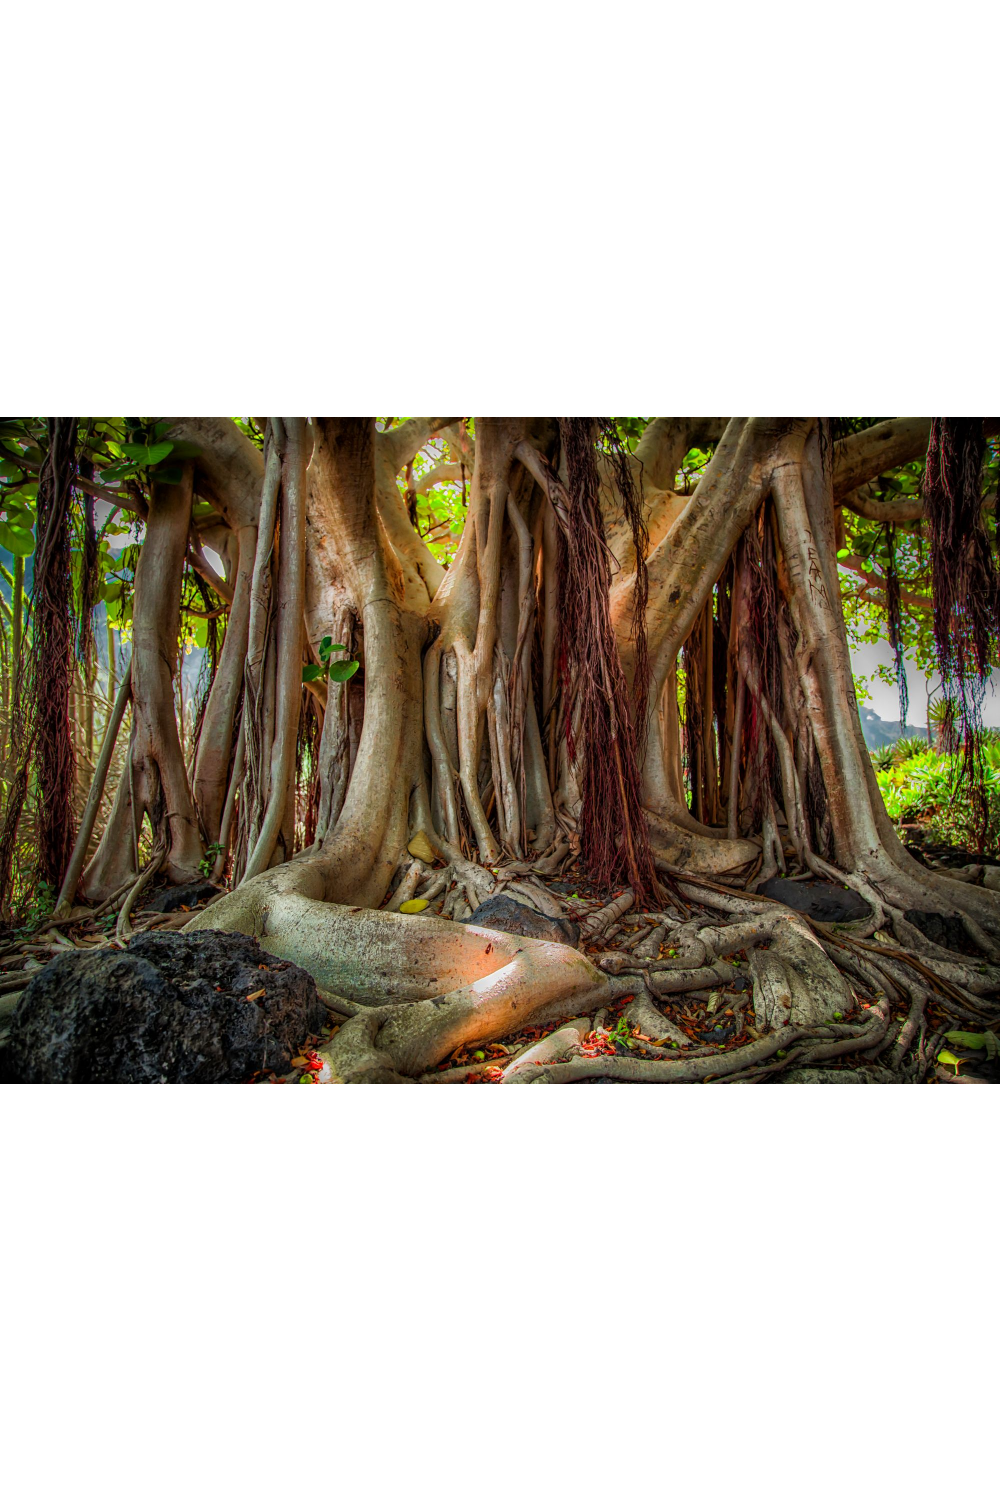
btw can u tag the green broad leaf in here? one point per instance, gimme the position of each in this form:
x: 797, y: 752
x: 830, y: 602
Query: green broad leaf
x: 21, y: 543
x: 112, y: 591
x: 974, y: 1039
x: 145, y: 455
x: 844, y: 552
x: 185, y: 450
x: 201, y: 634
x: 342, y: 671
x: 119, y: 612
x: 172, y: 474
x: 311, y: 673
x: 9, y: 469
x: 949, y: 1060
x: 325, y: 647
x: 413, y: 906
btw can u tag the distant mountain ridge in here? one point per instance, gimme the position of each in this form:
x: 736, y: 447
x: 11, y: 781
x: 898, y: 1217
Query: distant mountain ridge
x: 879, y: 732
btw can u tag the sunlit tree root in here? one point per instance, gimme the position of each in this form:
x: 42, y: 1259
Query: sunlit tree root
x: 428, y: 985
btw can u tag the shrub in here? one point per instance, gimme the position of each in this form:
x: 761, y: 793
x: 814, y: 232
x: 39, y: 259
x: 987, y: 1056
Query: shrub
x: 907, y: 747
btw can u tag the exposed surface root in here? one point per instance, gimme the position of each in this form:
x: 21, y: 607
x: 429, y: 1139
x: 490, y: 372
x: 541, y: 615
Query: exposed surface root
x: 424, y: 998
x: 749, y: 1064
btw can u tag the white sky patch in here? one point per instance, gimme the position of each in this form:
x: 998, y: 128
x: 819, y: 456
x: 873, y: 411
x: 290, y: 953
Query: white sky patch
x: 884, y: 698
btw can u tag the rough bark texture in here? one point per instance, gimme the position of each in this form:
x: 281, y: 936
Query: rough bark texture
x: 461, y: 738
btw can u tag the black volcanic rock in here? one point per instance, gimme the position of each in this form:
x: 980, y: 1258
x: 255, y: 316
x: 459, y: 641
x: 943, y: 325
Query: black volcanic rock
x: 504, y: 914
x: 171, y: 1008
x: 817, y: 899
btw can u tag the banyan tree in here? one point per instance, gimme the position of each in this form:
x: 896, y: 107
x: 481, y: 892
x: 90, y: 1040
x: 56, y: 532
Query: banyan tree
x: 614, y: 673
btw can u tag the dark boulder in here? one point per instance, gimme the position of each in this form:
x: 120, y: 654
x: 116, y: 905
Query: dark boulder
x: 817, y: 899
x: 171, y: 1008
x: 504, y: 914
x: 173, y: 897
x: 946, y: 931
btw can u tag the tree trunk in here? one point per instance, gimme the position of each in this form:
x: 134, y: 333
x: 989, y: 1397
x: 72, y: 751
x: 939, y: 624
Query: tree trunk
x: 155, y: 784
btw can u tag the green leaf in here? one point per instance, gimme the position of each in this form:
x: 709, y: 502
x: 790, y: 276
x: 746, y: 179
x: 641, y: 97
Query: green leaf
x: 844, y: 552
x: 140, y: 453
x: 342, y: 671
x: 173, y: 474
x: 186, y: 450
x: 311, y: 673
x: 415, y: 905
x: 21, y: 543
x: 949, y: 1060
x: 325, y: 647
x: 974, y: 1039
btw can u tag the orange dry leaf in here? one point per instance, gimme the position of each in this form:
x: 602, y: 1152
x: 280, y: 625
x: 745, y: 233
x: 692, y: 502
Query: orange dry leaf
x: 256, y: 994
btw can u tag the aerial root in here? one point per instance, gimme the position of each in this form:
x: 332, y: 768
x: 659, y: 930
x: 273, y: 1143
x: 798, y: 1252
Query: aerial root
x: 123, y: 929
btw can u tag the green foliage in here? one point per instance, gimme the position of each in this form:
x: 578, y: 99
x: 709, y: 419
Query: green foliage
x: 975, y: 1040
x: 630, y: 430
x: 907, y: 747
x: 620, y: 1033
x: 442, y: 509
x: 337, y: 671
x: 925, y: 785
x: 207, y: 861
x: 693, y: 465
x: 40, y: 905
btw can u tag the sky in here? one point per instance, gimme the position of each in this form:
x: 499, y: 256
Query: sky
x: 884, y: 699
